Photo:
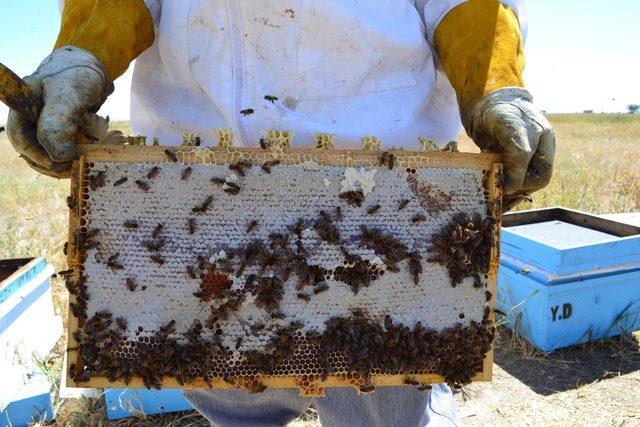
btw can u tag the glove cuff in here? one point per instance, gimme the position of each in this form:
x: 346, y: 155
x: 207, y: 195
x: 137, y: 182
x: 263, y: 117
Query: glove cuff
x: 67, y: 57
x: 472, y: 119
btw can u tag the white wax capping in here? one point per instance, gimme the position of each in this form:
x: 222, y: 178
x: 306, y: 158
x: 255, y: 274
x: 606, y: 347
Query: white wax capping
x: 377, y: 260
x: 327, y: 183
x: 276, y: 201
x: 358, y: 179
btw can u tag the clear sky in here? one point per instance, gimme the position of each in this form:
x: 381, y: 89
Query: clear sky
x: 581, y: 54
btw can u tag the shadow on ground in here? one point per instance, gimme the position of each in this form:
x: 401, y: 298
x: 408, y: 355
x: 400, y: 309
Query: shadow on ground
x: 568, y: 368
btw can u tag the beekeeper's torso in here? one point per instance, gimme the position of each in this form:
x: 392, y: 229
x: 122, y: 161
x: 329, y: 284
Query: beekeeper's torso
x: 351, y: 68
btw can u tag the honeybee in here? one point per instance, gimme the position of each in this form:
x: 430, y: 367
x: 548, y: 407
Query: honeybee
x: 98, y: 180
x: 191, y: 272
x: 192, y: 225
x: 120, y: 181
x: 218, y: 181
x: 251, y: 226
x: 153, y: 172
x: 121, y: 323
x: 373, y: 210
x: 157, y: 259
x: 247, y: 112
x: 142, y: 185
x: 157, y: 231
x: 323, y: 287
x: 171, y: 155
x: 186, y: 173
x: 131, y: 285
x: 304, y: 297
x: 113, y: 263
x: 403, y: 204
x: 266, y: 166
x: 202, y: 208
x: 130, y: 224
x: 271, y: 99
x: 418, y: 218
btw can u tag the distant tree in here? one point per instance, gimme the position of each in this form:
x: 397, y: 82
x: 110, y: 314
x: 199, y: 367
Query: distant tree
x: 633, y: 108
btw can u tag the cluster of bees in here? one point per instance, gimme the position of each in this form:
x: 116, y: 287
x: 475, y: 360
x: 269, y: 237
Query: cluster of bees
x: 455, y: 353
x: 462, y: 247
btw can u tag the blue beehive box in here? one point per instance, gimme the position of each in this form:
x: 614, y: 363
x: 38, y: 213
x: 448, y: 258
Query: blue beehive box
x: 123, y: 403
x: 28, y: 327
x: 567, y: 277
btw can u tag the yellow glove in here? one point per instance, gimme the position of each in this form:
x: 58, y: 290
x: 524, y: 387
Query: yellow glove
x: 480, y: 47
x: 114, y: 31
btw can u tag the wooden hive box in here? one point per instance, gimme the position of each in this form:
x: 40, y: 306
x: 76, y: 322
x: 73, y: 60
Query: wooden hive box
x: 281, y: 267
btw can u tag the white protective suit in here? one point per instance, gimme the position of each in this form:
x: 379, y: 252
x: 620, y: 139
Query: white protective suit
x: 351, y: 68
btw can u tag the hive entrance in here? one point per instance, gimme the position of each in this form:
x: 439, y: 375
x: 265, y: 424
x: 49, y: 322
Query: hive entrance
x: 303, y: 268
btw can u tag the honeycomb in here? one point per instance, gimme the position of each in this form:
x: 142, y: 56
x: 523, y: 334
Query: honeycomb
x: 255, y: 265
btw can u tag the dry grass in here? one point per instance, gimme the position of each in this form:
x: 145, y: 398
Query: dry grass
x: 596, y: 170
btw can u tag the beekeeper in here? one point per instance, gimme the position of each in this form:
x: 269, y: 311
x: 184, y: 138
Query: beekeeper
x: 397, y: 69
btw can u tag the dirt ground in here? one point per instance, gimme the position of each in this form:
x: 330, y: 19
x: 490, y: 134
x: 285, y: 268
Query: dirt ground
x: 592, y: 385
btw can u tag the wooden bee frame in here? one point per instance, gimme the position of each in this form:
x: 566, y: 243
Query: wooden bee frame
x: 308, y: 385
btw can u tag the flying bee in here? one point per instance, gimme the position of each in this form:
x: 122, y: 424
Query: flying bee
x: 142, y: 185
x: 304, y: 297
x: 171, y: 155
x: 98, y: 180
x: 266, y: 166
x: 247, y: 112
x: 130, y: 224
x: 186, y: 173
x: 192, y: 225
x: 238, y: 343
x: 112, y: 262
x: 251, y: 226
x: 121, y: 323
x: 153, y: 172
x: 418, y: 218
x: 120, y: 181
x: 157, y: 259
x: 191, y: 272
x: 373, y: 210
x: 323, y: 287
x: 271, y: 99
x: 157, y: 231
x: 403, y: 204
x: 202, y: 208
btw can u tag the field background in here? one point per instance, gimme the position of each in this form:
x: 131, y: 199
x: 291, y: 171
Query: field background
x: 597, y: 169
